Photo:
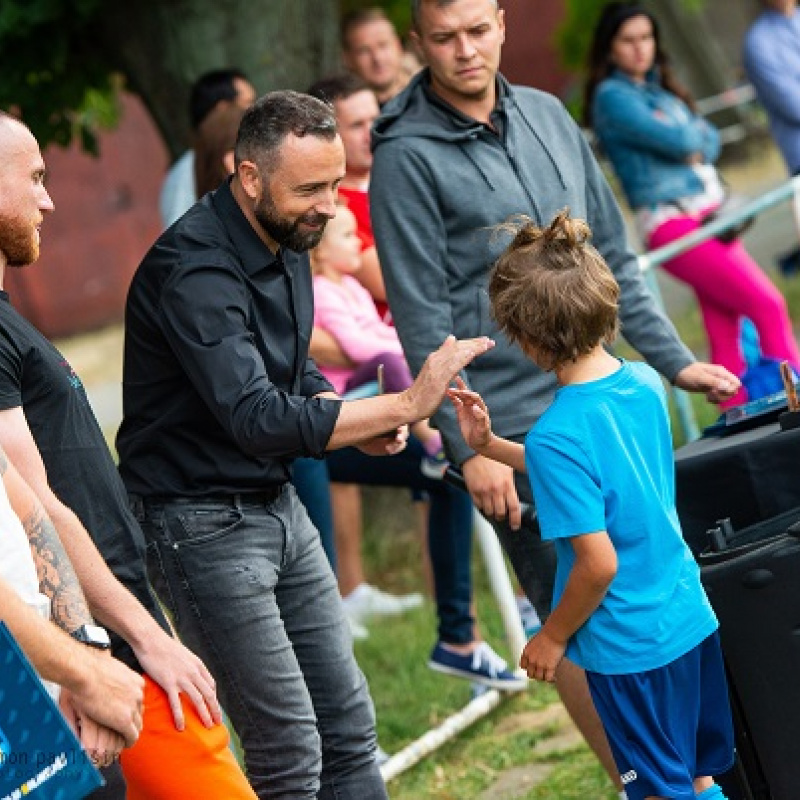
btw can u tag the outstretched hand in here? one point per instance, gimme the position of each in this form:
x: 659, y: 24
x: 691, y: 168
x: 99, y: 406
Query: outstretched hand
x: 439, y: 370
x: 490, y: 483
x: 472, y: 414
x: 716, y: 382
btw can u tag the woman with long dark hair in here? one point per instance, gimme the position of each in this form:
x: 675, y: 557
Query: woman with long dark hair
x: 663, y: 154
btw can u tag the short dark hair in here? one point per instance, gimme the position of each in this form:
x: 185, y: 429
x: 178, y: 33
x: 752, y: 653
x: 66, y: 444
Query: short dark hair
x: 552, y: 291
x: 211, y: 89
x: 268, y: 122
x: 358, y: 17
x: 338, y: 87
x: 416, y: 5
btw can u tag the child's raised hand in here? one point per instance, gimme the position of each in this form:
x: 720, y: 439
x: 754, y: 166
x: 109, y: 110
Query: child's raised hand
x: 472, y: 414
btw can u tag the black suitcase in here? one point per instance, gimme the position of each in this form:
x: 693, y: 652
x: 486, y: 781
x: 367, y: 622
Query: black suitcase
x: 753, y: 583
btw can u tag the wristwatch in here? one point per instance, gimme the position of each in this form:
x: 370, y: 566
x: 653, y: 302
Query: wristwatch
x: 93, y: 635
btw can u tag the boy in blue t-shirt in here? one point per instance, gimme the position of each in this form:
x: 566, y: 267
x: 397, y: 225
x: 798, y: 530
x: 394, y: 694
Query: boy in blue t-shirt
x: 629, y: 605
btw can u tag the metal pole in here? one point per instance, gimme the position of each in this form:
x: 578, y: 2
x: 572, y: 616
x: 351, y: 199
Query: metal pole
x: 479, y: 707
x: 749, y: 210
x: 436, y: 737
x: 683, y: 403
x: 501, y: 587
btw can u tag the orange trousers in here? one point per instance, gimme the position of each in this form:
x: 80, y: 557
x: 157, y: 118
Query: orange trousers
x: 168, y: 764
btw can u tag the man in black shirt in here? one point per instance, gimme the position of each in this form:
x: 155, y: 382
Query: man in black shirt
x: 49, y: 433
x: 219, y: 397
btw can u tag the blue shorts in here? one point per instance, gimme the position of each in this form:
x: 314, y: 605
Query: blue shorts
x: 670, y: 725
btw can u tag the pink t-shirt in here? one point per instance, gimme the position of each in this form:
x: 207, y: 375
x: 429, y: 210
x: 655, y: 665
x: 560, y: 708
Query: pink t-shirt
x: 347, y: 312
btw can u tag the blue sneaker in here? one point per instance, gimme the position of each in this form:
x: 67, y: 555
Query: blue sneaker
x: 482, y: 666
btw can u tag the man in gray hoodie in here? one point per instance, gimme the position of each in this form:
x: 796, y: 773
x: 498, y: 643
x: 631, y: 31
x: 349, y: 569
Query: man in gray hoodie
x: 459, y: 151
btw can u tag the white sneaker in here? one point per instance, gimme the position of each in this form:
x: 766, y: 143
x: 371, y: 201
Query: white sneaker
x: 367, y: 601
x: 357, y: 630
x: 530, y: 619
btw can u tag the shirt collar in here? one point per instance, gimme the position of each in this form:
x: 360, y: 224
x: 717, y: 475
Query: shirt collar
x: 252, y: 251
x: 459, y: 117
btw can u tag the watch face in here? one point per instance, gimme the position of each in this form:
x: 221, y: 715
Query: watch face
x: 97, y: 635
x: 93, y: 635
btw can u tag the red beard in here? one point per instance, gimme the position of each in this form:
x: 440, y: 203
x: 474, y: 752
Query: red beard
x: 19, y: 242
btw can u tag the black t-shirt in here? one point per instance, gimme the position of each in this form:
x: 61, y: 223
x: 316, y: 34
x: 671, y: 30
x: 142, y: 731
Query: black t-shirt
x: 80, y: 470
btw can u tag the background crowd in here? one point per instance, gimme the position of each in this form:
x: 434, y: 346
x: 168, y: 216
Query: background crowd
x: 227, y: 423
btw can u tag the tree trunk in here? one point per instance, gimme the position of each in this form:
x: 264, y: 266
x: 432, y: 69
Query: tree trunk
x: 162, y: 46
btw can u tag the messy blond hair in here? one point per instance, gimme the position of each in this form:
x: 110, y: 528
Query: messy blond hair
x: 552, y: 292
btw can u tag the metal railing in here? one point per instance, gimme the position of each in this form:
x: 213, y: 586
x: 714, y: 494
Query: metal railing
x: 736, y: 97
x: 785, y: 192
x: 730, y: 98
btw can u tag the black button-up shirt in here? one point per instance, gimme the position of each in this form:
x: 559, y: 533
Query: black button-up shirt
x: 218, y: 388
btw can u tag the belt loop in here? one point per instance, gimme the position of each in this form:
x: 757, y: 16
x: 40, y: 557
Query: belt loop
x: 136, y: 505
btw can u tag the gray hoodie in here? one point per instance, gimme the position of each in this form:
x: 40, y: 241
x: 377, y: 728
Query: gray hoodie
x: 440, y: 182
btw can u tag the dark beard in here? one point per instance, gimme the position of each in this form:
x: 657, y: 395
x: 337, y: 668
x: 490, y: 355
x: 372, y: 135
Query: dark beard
x: 286, y: 232
x: 17, y: 242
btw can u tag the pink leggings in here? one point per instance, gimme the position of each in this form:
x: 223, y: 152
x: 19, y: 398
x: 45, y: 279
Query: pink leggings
x: 730, y: 285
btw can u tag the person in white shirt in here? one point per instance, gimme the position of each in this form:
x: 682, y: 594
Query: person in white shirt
x: 211, y: 90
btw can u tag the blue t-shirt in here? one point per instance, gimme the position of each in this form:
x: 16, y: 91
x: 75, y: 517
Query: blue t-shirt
x: 600, y: 459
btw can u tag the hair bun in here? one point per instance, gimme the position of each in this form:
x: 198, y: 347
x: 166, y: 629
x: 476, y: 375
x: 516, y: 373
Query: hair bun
x: 563, y: 231
x: 573, y: 232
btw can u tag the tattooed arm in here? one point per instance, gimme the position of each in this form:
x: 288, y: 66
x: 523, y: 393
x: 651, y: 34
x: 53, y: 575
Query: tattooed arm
x: 102, y: 689
x: 57, y: 579
x: 168, y: 662
x: 103, y: 732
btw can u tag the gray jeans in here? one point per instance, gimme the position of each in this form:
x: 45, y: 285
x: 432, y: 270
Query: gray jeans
x: 533, y: 560
x: 251, y: 592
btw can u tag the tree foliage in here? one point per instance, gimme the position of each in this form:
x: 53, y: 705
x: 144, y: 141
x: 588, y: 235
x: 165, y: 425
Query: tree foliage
x: 61, y: 63
x: 52, y: 72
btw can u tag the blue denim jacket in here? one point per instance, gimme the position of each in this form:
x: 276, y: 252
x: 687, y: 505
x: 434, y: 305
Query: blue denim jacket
x: 647, y: 134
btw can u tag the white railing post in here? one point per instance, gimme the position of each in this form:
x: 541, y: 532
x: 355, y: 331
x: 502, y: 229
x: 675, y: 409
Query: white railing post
x: 479, y: 707
x: 501, y: 586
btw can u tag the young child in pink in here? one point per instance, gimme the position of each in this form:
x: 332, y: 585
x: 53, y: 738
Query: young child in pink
x: 345, y: 309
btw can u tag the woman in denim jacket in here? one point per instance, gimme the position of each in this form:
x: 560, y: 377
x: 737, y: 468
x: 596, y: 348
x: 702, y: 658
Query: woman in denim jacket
x: 663, y: 153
